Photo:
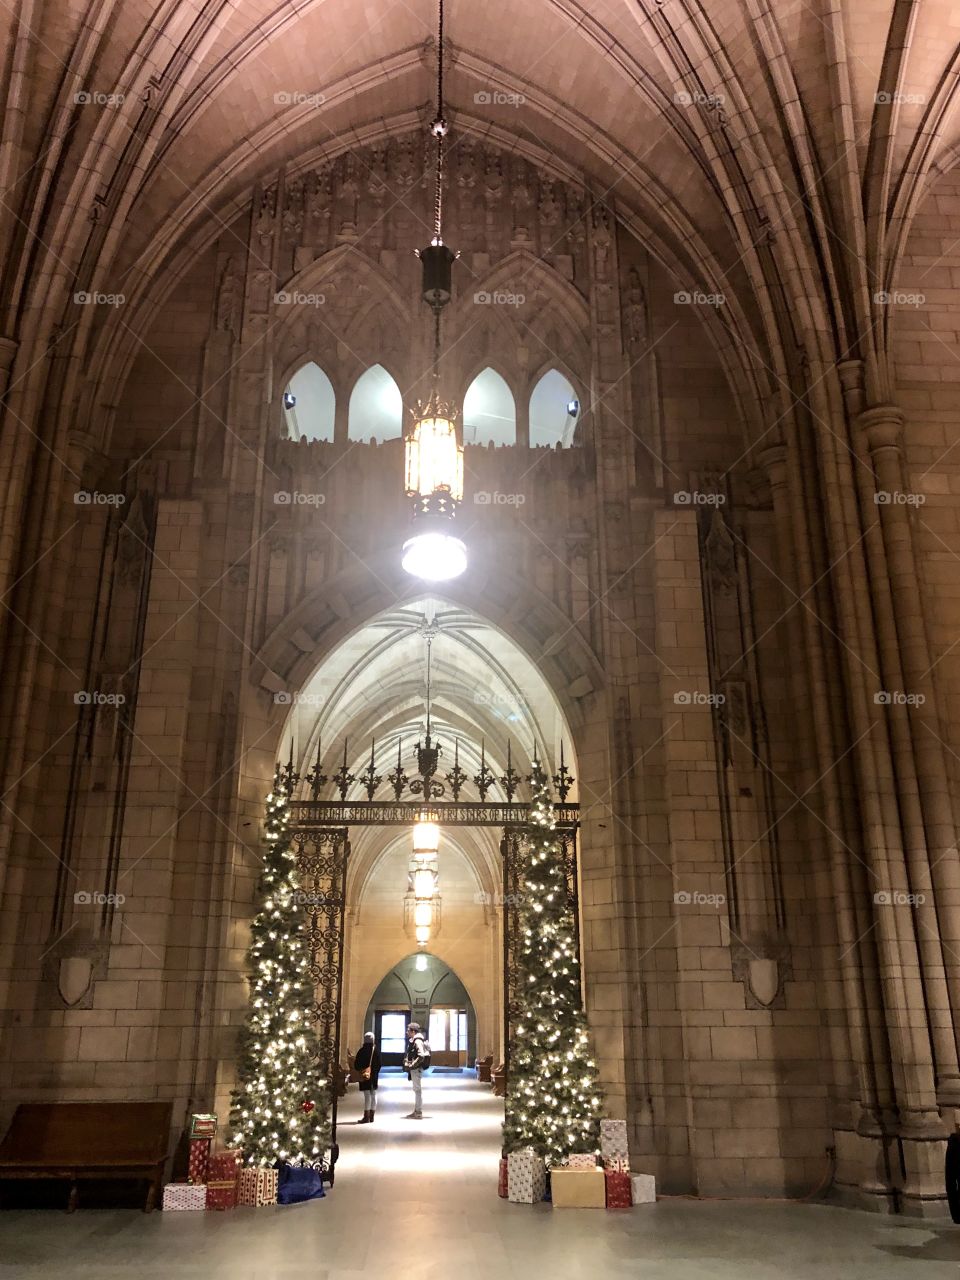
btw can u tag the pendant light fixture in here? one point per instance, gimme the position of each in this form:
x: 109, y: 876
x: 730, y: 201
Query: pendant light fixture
x: 433, y: 452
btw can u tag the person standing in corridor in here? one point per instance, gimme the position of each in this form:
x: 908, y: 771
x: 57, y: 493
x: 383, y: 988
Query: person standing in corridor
x: 415, y: 1060
x: 367, y: 1065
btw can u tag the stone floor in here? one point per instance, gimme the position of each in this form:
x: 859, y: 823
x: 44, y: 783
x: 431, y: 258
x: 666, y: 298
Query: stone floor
x: 420, y: 1200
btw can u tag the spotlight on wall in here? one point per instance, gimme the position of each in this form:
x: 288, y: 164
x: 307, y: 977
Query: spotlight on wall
x: 422, y: 963
x: 573, y: 408
x: 289, y: 400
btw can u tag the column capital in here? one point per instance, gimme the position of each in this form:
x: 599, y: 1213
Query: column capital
x: 882, y: 425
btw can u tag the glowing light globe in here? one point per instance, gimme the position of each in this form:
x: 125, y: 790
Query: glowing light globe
x: 435, y: 557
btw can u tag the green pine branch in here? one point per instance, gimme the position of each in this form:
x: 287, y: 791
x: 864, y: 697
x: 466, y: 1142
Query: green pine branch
x: 554, y: 1101
x: 277, y: 1068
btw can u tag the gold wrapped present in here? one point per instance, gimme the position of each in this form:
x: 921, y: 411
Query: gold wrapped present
x: 578, y: 1188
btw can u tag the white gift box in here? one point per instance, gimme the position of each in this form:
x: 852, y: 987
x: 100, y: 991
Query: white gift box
x: 643, y: 1187
x: 185, y: 1195
x: 613, y: 1140
x: 526, y: 1177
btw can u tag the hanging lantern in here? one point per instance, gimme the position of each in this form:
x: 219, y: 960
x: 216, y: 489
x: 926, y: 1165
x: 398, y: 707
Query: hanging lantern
x: 423, y: 915
x: 433, y: 459
x: 424, y: 883
x: 423, y: 934
x: 432, y: 451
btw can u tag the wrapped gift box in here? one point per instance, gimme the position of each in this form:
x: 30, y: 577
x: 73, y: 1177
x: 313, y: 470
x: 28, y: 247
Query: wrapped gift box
x: 199, y: 1163
x: 203, y: 1125
x: 222, y: 1180
x: 643, y: 1188
x: 257, y: 1186
x: 526, y: 1177
x: 617, y: 1164
x: 578, y: 1188
x: 613, y: 1140
x: 184, y: 1195
x: 581, y: 1160
x: 502, y: 1185
x: 617, y: 1187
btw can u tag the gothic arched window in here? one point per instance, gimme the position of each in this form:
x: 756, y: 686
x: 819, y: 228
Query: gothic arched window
x: 489, y: 412
x: 309, y: 404
x: 554, y: 411
x: 376, y: 407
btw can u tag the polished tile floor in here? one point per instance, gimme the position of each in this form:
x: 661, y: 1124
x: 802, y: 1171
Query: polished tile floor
x: 420, y: 1200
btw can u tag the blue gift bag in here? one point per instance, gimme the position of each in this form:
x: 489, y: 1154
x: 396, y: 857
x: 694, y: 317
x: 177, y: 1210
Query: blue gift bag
x: 297, y: 1184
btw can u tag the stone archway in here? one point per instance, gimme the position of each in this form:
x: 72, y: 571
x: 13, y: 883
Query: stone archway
x: 362, y: 707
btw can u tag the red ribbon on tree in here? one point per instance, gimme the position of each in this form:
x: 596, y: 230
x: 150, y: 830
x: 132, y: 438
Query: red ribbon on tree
x: 307, y: 1106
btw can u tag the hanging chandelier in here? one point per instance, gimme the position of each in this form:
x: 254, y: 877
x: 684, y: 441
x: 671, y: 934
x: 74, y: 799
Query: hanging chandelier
x: 424, y: 870
x: 433, y: 452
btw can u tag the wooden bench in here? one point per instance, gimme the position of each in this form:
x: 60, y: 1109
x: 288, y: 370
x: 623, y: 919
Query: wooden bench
x: 72, y: 1141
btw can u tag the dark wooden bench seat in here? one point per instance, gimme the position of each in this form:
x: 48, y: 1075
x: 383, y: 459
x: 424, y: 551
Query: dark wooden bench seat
x: 73, y: 1141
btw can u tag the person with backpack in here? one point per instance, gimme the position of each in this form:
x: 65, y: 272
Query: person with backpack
x: 415, y: 1062
x: 367, y: 1065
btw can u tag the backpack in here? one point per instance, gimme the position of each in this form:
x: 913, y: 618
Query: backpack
x: 425, y: 1056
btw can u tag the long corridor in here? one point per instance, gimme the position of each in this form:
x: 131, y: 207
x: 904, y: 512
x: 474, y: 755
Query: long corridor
x: 419, y: 1200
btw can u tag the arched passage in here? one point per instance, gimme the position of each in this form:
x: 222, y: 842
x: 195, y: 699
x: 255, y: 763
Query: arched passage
x: 423, y: 988
x: 363, y: 710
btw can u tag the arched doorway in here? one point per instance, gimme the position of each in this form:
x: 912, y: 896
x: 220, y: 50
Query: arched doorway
x: 353, y: 726
x: 422, y: 988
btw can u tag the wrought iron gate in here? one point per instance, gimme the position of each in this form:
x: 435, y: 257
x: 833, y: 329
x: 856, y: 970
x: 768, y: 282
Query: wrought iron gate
x: 322, y: 855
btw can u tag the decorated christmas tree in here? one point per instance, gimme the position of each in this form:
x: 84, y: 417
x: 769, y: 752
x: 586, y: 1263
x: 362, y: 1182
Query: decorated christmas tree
x: 553, y: 1099
x: 281, y: 1104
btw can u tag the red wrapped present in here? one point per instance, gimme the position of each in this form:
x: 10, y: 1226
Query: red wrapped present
x: 617, y: 1189
x: 199, y: 1161
x: 223, y: 1179
x: 502, y: 1188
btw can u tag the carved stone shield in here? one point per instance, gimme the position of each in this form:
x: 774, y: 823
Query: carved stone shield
x: 764, y: 979
x: 73, y: 978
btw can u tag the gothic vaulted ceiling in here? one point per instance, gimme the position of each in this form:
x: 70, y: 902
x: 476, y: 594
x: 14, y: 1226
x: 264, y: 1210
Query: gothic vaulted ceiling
x: 775, y: 154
